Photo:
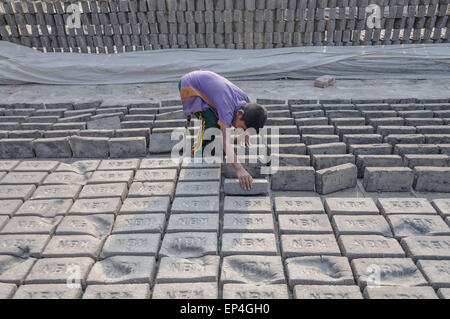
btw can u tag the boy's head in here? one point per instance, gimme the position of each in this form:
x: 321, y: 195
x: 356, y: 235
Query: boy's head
x: 251, y: 115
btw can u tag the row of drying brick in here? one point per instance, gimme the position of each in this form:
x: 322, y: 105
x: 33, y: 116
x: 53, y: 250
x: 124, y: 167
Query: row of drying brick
x: 236, y: 277
x: 326, y: 104
x: 399, y: 100
x: 400, y: 217
x: 165, y: 6
x: 300, y: 254
x: 210, y: 290
x: 197, y: 244
x: 286, y: 178
x: 32, y: 115
x: 378, y: 171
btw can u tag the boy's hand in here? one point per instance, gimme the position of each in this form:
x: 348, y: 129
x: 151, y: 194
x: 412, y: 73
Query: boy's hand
x: 247, y: 140
x: 245, y: 179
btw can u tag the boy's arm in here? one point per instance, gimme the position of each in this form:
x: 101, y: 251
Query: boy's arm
x: 245, y: 179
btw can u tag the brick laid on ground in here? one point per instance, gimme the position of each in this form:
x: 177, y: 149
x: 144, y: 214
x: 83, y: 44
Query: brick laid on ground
x: 30, y: 225
x: 45, y: 208
x: 413, y: 160
x: 66, y: 178
x: 7, y: 290
x: 319, y: 270
x: 139, y: 223
x: 98, y: 226
x: 178, y: 270
x: 233, y: 187
x: 57, y: 192
x: 52, y: 147
x: 416, y: 206
x: 327, y: 292
x: 444, y: 293
x: 361, y: 225
x: 6, y: 166
x: 325, y: 161
x: 123, y: 270
x: 243, y: 204
x: 367, y: 246
x: 57, y: 270
x: 388, y: 179
x: 111, y: 190
x: 193, y: 222
x: 197, y: 189
x: 104, y: 177
x: 95, y: 206
x: 3, y: 221
x: 370, y: 149
x: 309, y: 245
x: 119, y: 165
x: 123, y: 291
x: 248, y: 244
x: 9, y: 207
x: 304, y: 224
x: 299, y: 178
x: 417, y: 225
x: 37, y: 166
x: 23, y: 245
x: 298, y: 205
x: 16, y: 148
x: 403, y: 149
x: 290, y: 159
x: 189, y: 244
x: 437, y: 272
x: 328, y: 148
x: 252, y: 269
x: 131, y: 245
x: 150, y: 205
x: 427, y: 247
x: 442, y: 206
x: 149, y: 189
x: 48, y: 291
x: 192, y: 174
x: 350, y: 206
x: 23, y: 178
x: 248, y: 223
x: 73, y: 246
x: 399, y: 293
x: 79, y: 167
x: 89, y: 147
x: 152, y: 175
x: 14, y: 269
x: 200, y: 204
x: 185, y: 291
x: 336, y: 178
x: 127, y: 146
x: 251, y: 291
x: 432, y: 179
x: 387, y: 272
x: 160, y: 163
x: 364, y: 161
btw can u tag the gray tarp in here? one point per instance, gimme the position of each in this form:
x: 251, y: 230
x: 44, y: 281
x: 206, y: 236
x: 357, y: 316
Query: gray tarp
x: 19, y: 64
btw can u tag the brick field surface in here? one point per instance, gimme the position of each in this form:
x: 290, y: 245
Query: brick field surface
x: 359, y: 207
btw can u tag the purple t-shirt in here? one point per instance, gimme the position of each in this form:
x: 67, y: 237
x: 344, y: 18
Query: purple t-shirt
x: 201, y: 90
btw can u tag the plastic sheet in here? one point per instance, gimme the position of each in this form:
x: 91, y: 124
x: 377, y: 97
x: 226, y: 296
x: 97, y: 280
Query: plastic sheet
x: 19, y: 64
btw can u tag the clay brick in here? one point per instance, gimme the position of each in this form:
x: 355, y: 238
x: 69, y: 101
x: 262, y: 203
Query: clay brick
x: 336, y: 178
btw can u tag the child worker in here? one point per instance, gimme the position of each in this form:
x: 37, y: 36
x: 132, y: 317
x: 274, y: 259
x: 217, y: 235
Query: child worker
x: 218, y: 103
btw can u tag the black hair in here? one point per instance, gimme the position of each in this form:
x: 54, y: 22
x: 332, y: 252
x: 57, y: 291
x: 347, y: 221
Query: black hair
x: 255, y: 116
